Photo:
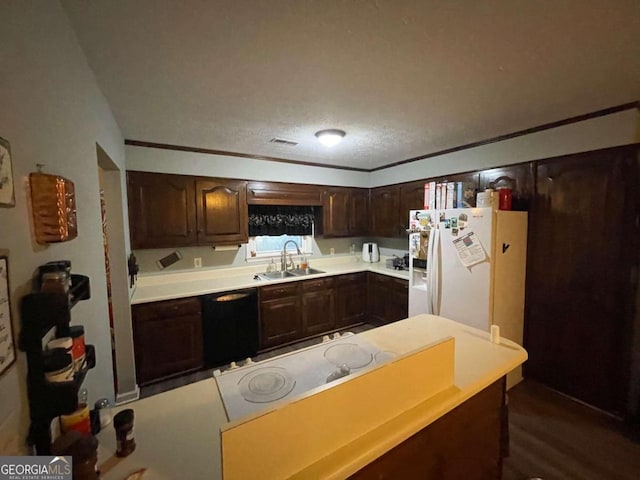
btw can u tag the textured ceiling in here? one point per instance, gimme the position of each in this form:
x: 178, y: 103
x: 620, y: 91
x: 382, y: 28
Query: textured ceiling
x: 402, y: 78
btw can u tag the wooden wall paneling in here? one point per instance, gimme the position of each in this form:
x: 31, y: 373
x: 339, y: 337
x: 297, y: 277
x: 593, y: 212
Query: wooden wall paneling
x: 581, y: 282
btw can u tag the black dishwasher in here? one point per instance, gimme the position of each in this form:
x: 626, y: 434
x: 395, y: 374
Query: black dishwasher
x: 230, y: 326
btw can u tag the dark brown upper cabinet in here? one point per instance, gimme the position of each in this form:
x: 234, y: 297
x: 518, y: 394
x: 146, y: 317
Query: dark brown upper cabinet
x: 221, y: 207
x: 177, y: 211
x: 345, y: 211
x: 520, y: 178
x: 385, y: 211
x: 359, y: 221
x: 411, y: 198
x: 277, y: 193
x: 161, y: 210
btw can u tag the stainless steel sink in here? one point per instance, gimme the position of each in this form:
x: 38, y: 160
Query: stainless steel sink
x: 275, y: 275
x: 301, y: 272
x: 298, y: 272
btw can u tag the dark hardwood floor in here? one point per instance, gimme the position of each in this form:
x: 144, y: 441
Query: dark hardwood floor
x: 555, y: 438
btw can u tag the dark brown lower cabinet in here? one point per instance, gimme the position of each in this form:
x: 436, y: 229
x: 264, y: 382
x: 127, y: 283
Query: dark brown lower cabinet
x: 467, y: 443
x: 351, y: 299
x: 167, y: 338
x: 280, y: 314
x: 312, y: 307
x: 318, y: 306
x: 388, y: 298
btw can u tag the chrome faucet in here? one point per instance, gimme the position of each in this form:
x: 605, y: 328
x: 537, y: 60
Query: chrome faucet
x: 283, y: 255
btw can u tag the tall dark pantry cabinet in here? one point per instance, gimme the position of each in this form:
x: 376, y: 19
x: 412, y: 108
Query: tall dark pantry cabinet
x: 582, y: 326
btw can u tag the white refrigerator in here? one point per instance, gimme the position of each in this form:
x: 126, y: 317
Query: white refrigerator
x: 476, y: 266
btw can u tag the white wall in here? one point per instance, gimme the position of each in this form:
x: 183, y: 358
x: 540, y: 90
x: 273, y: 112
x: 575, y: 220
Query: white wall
x: 617, y: 129
x: 52, y: 113
x: 188, y: 163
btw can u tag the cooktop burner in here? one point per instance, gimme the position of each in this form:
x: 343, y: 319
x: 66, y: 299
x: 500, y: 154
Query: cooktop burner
x: 266, y: 385
x: 252, y: 387
x: 348, y: 354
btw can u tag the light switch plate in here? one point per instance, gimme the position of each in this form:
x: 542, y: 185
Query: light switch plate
x: 197, y: 262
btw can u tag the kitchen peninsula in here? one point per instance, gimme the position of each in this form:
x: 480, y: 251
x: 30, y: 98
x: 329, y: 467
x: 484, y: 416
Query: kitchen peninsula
x: 181, y: 433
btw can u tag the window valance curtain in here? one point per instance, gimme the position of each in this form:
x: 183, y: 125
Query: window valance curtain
x: 280, y: 220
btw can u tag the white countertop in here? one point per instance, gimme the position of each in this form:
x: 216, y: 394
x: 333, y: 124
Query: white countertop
x: 177, y: 432
x: 166, y: 286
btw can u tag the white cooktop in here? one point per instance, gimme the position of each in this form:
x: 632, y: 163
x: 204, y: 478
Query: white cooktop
x: 253, y: 387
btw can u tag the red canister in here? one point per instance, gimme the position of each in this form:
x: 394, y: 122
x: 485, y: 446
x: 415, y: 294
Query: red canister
x: 504, y: 199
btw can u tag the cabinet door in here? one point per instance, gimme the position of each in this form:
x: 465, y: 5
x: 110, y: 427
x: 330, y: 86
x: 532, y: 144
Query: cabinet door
x: 222, y: 211
x: 385, y: 205
x: 318, y: 307
x: 397, y: 306
x: 166, y: 344
x: 161, y: 210
x: 411, y: 198
x: 351, y: 299
x: 377, y: 293
x: 336, y: 209
x: 280, y: 321
x: 520, y: 178
x: 359, y: 219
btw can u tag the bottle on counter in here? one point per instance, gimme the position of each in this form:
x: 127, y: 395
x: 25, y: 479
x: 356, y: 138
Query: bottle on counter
x: 125, y: 439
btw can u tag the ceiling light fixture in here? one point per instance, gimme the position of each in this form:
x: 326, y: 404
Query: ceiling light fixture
x: 330, y: 137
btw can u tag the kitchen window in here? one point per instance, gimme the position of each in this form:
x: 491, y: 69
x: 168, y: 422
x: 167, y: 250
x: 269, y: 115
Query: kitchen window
x: 265, y: 246
x: 271, y: 226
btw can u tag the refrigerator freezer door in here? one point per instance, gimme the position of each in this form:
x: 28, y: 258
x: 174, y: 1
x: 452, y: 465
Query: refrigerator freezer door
x: 417, y: 280
x: 464, y: 294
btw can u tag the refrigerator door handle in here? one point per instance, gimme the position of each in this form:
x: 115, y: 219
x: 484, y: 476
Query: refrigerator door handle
x: 429, y: 268
x: 432, y: 267
x: 435, y: 274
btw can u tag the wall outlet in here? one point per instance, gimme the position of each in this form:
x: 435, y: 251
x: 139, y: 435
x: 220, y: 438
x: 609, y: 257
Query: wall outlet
x: 197, y: 262
x: 332, y: 251
x: 352, y: 249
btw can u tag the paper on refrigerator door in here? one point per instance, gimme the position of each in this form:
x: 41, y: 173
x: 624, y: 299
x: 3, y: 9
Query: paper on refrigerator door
x: 469, y: 249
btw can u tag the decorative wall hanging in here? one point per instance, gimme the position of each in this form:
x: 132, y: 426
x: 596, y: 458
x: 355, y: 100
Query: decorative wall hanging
x: 7, y: 347
x: 7, y: 195
x: 53, y: 202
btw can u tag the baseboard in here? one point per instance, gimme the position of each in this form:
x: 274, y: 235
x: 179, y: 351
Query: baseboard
x: 126, y: 397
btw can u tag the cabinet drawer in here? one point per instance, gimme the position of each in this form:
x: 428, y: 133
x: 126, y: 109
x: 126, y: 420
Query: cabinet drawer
x: 167, y: 309
x: 318, y: 284
x: 278, y: 291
